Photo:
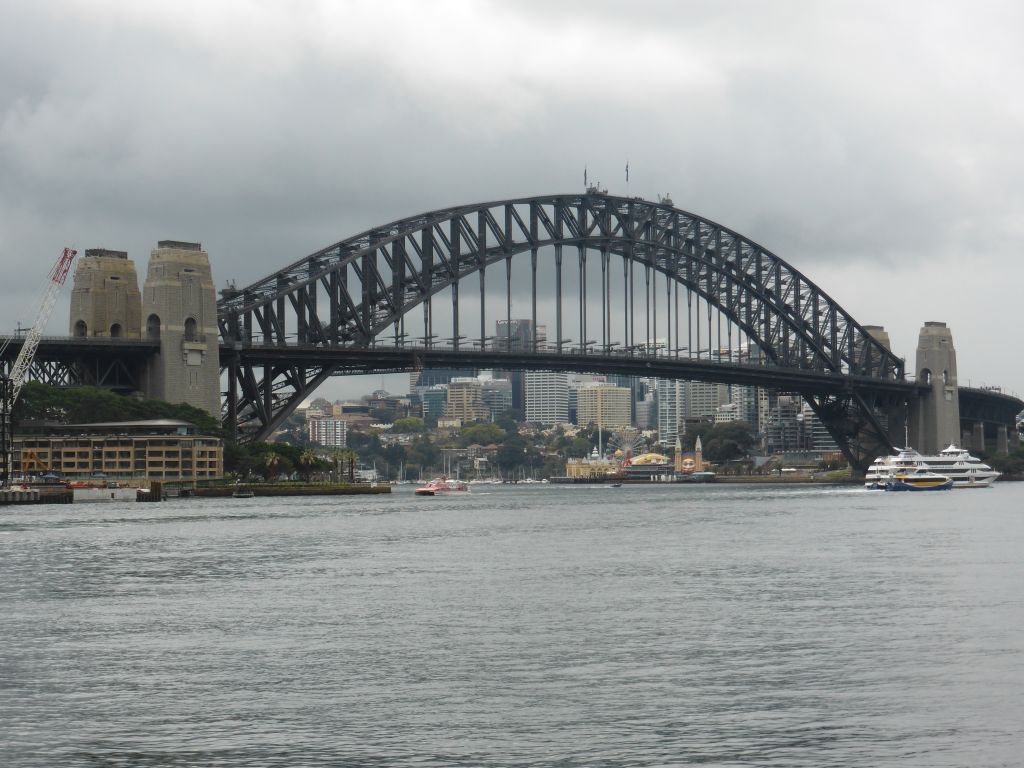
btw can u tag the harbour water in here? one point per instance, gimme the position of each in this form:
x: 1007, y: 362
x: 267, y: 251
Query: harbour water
x: 529, y: 625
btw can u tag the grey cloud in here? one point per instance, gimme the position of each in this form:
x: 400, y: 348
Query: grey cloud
x: 830, y: 133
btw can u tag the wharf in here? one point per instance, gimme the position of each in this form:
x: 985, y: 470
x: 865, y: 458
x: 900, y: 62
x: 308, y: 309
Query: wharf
x: 54, y: 494
x: 292, y: 489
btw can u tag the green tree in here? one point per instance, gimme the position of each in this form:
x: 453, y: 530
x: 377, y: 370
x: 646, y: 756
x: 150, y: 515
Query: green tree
x: 693, y: 431
x: 578, y: 448
x: 412, y: 424
x: 92, y: 405
x: 422, y: 455
x: 727, y: 442
x: 239, y: 459
x: 1011, y: 465
x: 512, y: 455
x: 306, y: 464
x: 483, y: 434
x: 394, y: 455
x: 271, y: 466
x: 344, y: 461
x: 509, y: 421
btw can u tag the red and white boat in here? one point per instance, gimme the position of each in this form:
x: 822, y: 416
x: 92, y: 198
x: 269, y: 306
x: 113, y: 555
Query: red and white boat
x: 441, y: 485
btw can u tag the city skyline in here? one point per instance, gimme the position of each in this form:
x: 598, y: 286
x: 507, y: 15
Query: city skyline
x: 872, y: 147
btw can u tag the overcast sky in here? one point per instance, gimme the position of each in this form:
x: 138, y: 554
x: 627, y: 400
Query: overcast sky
x: 876, y: 146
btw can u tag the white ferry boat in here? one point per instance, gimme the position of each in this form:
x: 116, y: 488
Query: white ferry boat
x: 957, y: 464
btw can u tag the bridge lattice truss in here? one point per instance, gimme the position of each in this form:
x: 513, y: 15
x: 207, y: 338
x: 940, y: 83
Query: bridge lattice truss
x: 358, y: 294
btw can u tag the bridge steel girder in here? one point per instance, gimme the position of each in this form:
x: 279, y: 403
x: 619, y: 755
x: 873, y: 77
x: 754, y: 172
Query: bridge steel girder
x: 116, y: 364
x: 344, y: 296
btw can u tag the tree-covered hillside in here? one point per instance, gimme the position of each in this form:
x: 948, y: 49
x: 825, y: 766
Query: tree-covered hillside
x: 91, y: 405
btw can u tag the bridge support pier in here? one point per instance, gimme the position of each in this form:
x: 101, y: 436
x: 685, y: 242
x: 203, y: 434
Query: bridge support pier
x: 935, y: 417
x: 1002, y: 439
x: 180, y: 309
x: 6, y: 428
x: 978, y: 436
x: 232, y: 398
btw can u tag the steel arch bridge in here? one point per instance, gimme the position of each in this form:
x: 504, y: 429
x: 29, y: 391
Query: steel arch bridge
x: 360, y: 304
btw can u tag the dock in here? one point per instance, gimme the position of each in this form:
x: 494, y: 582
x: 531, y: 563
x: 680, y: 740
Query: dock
x: 57, y: 494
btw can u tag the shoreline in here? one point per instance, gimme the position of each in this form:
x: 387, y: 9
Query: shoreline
x: 298, y: 489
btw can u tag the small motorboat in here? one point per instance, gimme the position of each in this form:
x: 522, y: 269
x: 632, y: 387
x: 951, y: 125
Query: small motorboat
x: 442, y: 485
x: 242, y: 493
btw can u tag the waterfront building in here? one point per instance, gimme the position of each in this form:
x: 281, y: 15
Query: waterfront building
x: 688, y: 463
x: 592, y: 467
x: 158, y: 449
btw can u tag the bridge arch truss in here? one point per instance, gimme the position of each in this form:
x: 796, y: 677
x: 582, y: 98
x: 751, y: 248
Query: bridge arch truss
x: 643, y: 278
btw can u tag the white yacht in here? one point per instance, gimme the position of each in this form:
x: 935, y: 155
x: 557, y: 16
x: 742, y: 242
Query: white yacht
x: 964, y: 470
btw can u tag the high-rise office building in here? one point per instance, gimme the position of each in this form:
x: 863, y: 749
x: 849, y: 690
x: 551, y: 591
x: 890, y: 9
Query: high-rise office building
x: 606, y: 405
x: 435, y: 399
x: 517, y: 335
x: 670, y: 397
x: 497, y: 396
x: 419, y: 380
x: 547, y: 397
x: 329, y: 432
x: 465, y: 401
x: 704, y: 397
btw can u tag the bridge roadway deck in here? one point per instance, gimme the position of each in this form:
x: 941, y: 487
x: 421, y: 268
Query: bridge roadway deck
x: 382, y: 359
x: 976, y: 404
x: 69, y: 347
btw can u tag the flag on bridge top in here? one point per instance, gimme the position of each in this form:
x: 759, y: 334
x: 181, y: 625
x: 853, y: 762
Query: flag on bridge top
x: 627, y: 171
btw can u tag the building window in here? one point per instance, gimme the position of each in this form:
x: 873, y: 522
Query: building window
x: 81, y: 329
x: 153, y: 327
x: 115, y: 331
x: 190, y: 329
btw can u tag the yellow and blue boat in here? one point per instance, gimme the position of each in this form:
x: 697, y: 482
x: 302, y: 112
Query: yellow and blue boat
x: 920, y: 479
